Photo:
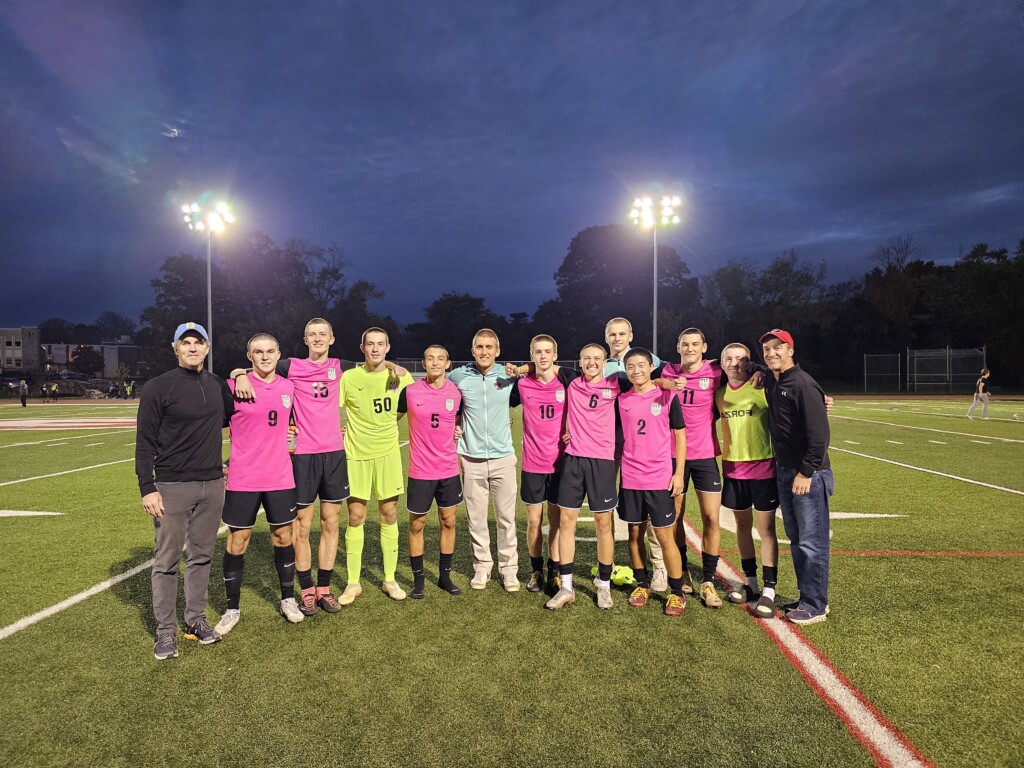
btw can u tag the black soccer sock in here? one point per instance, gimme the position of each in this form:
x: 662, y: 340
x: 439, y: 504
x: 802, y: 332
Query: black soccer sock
x: 284, y: 562
x: 234, y: 566
x: 642, y: 579
x: 536, y: 564
x: 553, y: 568
x: 709, y: 563
x: 770, y: 574
x: 604, y: 571
x: 323, y: 577
x: 749, y: 565
x: 305, y: 578
x: 566, y: 569
x: 675, y: 586
x: 417, y: 570
x: 445, y: 577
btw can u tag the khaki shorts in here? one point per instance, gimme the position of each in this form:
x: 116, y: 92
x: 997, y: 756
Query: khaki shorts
x: 382, y: 476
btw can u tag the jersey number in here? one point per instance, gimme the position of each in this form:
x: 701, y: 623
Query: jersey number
x: 435, y: 420
x: 547, y: 411
x: 272, y: 418
x: 641, y: 425
x: 593, y: 401
x: 381, y: 404
x: 320, y: 389
x: 687, y: 397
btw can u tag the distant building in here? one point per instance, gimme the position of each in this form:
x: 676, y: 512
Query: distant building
x: 19, y: 350
x: 58, y: 356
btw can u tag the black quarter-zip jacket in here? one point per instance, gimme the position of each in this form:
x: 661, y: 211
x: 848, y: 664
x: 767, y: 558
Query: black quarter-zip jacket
x: 798, y: 421
x: 181, y: 415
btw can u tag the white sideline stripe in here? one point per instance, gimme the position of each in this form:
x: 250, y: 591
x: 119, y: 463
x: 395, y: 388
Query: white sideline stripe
x: 928, y: 429
x: 930, y: 471
x: 26, y: 513
x: 851, y: 442
x: 981, y: 442
x: 871, y: 729
x: 937, y: 442
x: 894, y: 442
x: 46, y: 613
x: 55, y: 445
x: 65, y: 472
x: 90, y: 445
x: 63, y: 439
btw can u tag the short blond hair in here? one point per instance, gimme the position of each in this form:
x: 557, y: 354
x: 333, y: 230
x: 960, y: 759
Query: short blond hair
x: 261, y: 337
x: 543, y: 337
x: 594, y: 346
x: 436, y: 346
x: 735, y: 345
x: 616, y: 321
x: 485, y: 333
x: 318, y: 321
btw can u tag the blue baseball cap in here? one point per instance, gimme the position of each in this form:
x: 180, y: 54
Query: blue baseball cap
x: 196, y: 328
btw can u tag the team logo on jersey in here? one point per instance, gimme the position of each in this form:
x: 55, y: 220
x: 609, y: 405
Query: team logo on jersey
x: 655, y: 409
x: 704, y: 382
x: 332, y: 374
x: 449, y: 404
x: 286, y: 401
x: 560, y: 395
x: 606, y: 393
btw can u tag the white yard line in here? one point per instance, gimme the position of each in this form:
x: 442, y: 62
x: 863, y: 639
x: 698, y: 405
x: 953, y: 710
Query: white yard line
x: 851, y: 442
x: 929, y: 471
x: 928, y: 429
x: 91, y: 445
x: 981, y: 442
x: 65, y: 472
x: 894, y: 442
x: 937, y: 442
x: 26, y: 513
x: 63, y: 439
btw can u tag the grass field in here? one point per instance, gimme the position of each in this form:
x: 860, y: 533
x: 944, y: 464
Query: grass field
x: 927, y: 624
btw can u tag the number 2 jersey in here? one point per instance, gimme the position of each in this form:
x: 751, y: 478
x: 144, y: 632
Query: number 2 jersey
x: 698, y: 402
x: 371, y: 400
x: 432, y: 412
x: 648, y: 419
x: 316, y: 403
x: 259, y: 437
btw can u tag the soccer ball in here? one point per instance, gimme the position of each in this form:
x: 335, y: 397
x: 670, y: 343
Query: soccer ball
x: 622, y: 575
x: 1016, y: 417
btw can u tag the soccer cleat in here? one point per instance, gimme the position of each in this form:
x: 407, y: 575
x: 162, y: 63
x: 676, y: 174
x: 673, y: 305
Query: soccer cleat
x: 803, y: 616
x: 328, y: 603
x: 604, y: 598
x: 709, y: 595
x: 687, y: 583
x: 392, y: 590
x: 307, y: 601
x: 742, y: 594
x: 510, y: 583
x: 166, y: 647
x: 675, y: 605
x: 352, y: 591
x: 562, y: 598
x: 659, y: 580
x: 417, y: 592
x: 449, y: 587
x: 536, y: 582
x: 480, y: 579
x: 765, y: 607
x: 227, y: 621
x: 200, y: 630
x: 639, y: 597
x: 290, y: 610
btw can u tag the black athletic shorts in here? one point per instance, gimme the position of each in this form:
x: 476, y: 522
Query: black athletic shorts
x: 320, y: 474
x: 240, y: 507
x: 656, y: 506
x: 762, y: 495
x: 535, y: 488
x: 593, y: 478
x: 705, y: 474
x: 422, y: 493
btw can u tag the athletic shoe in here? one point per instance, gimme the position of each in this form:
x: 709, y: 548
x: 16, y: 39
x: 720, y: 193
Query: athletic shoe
x: 328, y: 603
x: 562, y: 598
x: 659, y: 581
x: 450, y: 588
x: 742, y: 594
x: 639, y: 597
x: 227, y: 621
x: 604, y: 598
x: 675, y: 605
x: 803, y: 616
x: 709, y: 595
x: 307, y: 602
x: 970, y: 418
x: 789, y: 607
x: 536, y: 582
x: 290, y: 610
x: 166, y: 647
x: 392, y: 590
x: 352, y: 591
x: 687, y: 583
x: 510, y: 583
x: 200, y: 630
x: 765, y: 608
x: 480, y: 579
x: 417, y: 592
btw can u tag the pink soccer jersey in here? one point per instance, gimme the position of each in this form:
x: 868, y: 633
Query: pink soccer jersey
x: 432, y: 413
x: 698, y: 401
x: 259, y: 438
x: 591, y: 418
x: 543, y: 423
x: 317, y: 407
x: 647, y: 423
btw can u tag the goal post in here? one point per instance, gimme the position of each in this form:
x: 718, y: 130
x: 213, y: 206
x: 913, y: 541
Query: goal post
x: 945, y: 370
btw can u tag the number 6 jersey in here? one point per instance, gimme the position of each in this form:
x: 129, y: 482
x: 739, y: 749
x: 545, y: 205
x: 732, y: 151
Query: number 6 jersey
x: 259, y: 437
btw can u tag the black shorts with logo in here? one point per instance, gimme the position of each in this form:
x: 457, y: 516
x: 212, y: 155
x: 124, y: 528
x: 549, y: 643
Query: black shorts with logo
x: 240, y: 507
x: 420, y: 494
x: 323, y: 475
x: 592, y: 478
x: 656, y: 506
x: 536, y: 488
x: 762, y: 495
x: 705, y: 474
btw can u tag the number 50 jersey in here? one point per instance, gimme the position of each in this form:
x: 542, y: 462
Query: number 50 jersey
x: 259, y: 438
x: 371, y: 400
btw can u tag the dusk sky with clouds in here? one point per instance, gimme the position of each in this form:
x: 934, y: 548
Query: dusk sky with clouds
x: 461, y: 145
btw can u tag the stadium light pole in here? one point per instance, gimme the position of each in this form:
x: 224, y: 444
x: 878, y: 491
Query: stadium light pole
x: 214, y: 221
x: 645, y: 217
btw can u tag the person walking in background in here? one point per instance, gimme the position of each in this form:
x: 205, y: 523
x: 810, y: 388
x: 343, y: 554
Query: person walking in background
x: 23, y: 392
x: 980, y: 395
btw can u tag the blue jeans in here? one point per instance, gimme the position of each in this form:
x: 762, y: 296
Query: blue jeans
x: 807, y: 526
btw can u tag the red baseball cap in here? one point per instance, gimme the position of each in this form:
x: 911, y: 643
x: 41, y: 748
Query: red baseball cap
x: 781, y: 335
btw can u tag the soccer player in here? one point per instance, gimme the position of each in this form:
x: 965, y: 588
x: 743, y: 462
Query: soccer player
x: 433, y: 406
x: 652, y: 424
x: 749, y: 486
x: 542, y: 397
x: 588, y: 471
x: 370, y: 395
x: 181, y: 478
x: 260, y: 473
x: 488, y: 460
x: 980, y: 395
x: 800, y: 435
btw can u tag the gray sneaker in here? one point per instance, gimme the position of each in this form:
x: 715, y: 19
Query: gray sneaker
x: 200, y: 630
x: 604, y: 598
x: 290, y: 610
x: 659, y: 581
x: 562, y: 598
x: 166, y: 647
x: 227, y: 621
x: 510, y: 583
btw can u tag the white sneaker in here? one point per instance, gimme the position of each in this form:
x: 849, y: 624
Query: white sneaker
x: 290, y: 610
x: 480, y: 579
x: 562, y: 598
x: 392, y: 590
x: 352, y: 591
x: 604, y: 598
x: 659, y: 581
x: 227, y: 621
x: 510, y: 583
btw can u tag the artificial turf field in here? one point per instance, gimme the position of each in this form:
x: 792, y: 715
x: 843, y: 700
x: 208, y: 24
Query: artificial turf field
x: 927, y: 623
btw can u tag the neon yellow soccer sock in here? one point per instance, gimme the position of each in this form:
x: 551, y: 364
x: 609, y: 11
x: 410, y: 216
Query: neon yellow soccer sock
x: 389, y: 548
x: 354, y: 552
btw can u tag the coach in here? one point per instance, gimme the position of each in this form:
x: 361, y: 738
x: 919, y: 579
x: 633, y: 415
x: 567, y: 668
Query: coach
x: 800, y: 435
x: 178, y: 461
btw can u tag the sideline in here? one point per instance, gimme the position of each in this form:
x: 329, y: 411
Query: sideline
x: 65, y: 472
x: 925, y: 429
x: 929, y: 471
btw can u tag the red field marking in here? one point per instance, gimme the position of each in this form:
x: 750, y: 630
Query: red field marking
x: 886, y: 743
x: 898, y: 553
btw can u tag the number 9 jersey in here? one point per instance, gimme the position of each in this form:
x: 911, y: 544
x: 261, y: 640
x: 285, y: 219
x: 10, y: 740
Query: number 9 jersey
x: 259, y: 437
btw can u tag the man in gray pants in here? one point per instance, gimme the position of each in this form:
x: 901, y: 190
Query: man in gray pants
x: 178, y: 461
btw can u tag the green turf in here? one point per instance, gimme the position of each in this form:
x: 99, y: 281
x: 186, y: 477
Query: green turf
x: 492, y: 679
